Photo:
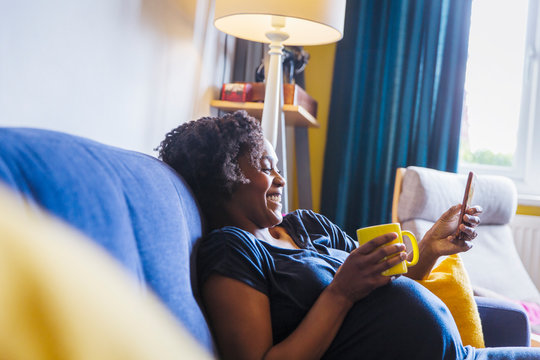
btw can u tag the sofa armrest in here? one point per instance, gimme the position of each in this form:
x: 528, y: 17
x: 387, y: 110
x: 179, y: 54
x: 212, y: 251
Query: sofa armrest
x: 503, y: 323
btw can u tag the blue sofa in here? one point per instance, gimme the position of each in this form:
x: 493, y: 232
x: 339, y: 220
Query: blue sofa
x: 145, y: 216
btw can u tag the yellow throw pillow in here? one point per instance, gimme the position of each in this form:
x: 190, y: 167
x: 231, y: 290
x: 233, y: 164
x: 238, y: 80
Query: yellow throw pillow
x: 450, y: 283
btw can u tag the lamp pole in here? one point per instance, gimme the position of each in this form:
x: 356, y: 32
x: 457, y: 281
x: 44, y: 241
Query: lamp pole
x: 274, y: 83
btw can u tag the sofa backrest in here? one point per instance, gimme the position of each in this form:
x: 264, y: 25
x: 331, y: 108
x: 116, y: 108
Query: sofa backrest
x: 131, y: 204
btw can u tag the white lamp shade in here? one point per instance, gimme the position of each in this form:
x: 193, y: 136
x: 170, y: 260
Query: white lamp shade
x: 307, y: 22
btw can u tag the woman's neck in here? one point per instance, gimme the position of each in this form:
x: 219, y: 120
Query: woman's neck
x: 226, y: 218
x: 275, y: 236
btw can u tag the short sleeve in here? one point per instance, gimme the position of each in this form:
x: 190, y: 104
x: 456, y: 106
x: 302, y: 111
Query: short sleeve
x: 236, y: 254
x: 306, y: 224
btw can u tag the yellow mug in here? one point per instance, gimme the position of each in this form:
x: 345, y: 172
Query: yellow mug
x: 369, y: 233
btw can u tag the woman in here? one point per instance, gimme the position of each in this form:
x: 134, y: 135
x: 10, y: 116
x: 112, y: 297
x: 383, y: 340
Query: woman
x: 297, y: 287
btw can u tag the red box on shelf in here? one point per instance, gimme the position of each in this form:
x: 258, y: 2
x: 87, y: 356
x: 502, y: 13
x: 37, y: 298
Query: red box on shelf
x: 239, y: 92
x: 292, y: 95
x: 254, y: 92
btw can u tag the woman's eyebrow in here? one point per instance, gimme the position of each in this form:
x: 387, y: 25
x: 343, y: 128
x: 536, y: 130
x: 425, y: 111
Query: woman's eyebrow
x: 269, y: 158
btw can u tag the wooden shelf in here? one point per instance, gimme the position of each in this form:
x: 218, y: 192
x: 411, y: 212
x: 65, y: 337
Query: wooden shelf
x: 295, y: 115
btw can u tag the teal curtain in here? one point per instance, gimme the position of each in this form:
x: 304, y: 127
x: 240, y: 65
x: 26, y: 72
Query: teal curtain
x: 397, y: 99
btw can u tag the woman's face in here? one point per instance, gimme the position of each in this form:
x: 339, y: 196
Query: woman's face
x: 258, y: 203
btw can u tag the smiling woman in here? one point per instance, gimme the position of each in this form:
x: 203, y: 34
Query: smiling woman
x: 297, y: 286
x: 256, y: 204
x: 206, y: 153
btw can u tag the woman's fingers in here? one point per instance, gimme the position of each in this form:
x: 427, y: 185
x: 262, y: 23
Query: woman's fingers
x: 382, y: 254
x: 464, y: 244
x: 375, y: 243
x: 471, y: 215
x: 387, y: 251
x: 474, y: 210
x: 471, y: 220
x: 390, y: 262
x: 468, y: 232
x: 361, y: 273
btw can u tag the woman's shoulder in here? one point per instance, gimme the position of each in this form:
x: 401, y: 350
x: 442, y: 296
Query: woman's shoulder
x: 308, y: 219
x: 308, y: 226
x: 231, y: 238
x: 301, y: 215
x: 230, y: 232
x: 301, y: 225
x: 234, y: 253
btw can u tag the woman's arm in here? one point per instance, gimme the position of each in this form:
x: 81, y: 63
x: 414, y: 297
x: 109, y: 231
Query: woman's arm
x: 440, y: 240
x: 240, y: 318
x: 240, y: 315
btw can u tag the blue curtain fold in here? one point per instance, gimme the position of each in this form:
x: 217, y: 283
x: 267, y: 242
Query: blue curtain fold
x: 396, y: 101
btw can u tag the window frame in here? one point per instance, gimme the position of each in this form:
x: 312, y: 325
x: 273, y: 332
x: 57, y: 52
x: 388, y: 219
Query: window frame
x: 525, y: 170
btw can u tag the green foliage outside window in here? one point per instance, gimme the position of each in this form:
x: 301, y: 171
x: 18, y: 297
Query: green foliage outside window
x: 484, y: 157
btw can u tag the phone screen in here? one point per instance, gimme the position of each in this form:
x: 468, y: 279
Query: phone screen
x: 467, y: 197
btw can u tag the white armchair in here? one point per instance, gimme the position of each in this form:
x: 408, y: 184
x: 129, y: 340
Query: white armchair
x: 494, y: 266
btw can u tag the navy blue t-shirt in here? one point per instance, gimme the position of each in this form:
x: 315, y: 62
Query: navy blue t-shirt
x: 275, y: 271
x: 379, y: 326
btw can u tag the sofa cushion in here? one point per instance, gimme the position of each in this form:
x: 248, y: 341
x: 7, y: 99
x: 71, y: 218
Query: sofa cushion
x: 131, y: 204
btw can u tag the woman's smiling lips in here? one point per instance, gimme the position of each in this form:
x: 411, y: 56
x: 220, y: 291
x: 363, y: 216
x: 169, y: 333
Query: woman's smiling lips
x: 276, y: 198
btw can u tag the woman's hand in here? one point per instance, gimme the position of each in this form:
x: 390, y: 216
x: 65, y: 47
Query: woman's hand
x: 442, y: 238
x: 360, y: 274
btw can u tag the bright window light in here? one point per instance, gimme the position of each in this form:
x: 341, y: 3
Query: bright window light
x: 494, y: 82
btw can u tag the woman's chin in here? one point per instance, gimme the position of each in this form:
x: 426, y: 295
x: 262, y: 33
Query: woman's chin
x: 277, y: 217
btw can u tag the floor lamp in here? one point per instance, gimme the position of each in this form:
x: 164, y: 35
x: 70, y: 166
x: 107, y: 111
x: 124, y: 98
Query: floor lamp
x: 279, y: 23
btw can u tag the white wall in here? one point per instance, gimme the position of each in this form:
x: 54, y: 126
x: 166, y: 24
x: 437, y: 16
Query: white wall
x: 123, y: 72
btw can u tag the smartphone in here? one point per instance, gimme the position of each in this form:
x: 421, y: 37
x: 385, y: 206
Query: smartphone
x: 466, y: 203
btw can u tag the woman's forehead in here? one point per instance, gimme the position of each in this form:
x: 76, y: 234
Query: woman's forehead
x: 269, y: 152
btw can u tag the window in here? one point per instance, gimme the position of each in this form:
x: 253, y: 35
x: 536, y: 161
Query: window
x: 500, y: 131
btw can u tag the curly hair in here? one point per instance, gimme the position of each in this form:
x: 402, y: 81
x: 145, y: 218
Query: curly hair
x: 205, y: 153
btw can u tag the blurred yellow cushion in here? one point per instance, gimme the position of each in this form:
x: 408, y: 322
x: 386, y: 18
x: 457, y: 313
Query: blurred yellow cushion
x: 449, y: 281
x: 63, y: 297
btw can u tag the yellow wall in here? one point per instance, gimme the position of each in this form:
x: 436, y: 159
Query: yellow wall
x: 528, y: 210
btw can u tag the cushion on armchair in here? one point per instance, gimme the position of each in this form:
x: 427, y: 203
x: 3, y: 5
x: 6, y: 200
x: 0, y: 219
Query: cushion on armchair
x: 450, y: 282
x: 427, y: 193
x: 493, y: 263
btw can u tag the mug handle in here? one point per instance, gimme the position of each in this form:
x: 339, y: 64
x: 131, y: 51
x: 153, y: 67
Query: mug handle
x: 414, y: 244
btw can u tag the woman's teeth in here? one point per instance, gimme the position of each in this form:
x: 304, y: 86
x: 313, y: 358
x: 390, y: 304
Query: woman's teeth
x: 275, y: 198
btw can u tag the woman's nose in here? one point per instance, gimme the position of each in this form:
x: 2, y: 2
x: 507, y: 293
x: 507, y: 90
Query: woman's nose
x: 279, y: 180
